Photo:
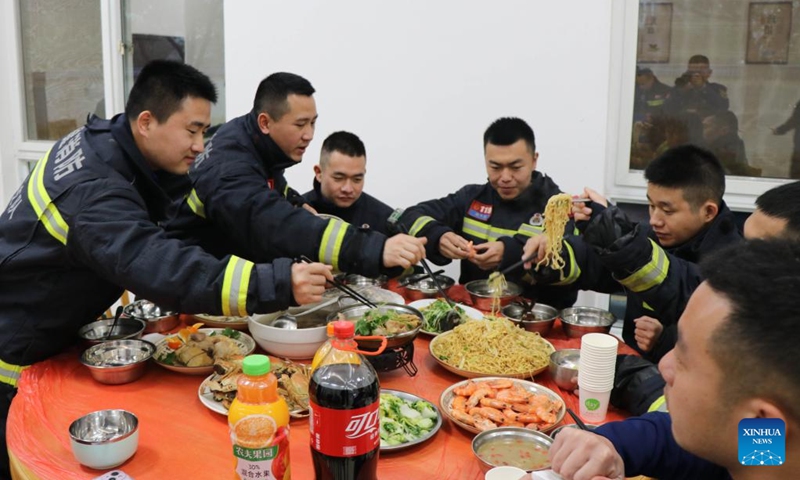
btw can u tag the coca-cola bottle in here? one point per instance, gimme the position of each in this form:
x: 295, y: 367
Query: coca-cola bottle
x: 344, y: 422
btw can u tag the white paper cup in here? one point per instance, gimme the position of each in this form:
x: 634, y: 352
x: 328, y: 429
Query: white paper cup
x: 600, y: 342
x: 505, y: 473
x: 594, y: 404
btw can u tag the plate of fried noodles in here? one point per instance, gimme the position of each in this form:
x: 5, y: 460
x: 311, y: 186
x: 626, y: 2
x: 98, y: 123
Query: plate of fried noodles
x: 494, y: 346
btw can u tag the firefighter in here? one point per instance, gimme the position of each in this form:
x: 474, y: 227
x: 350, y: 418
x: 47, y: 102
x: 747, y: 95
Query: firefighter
x: 84, y: 226
x: 240, y: 202
x: 496, y: 217
x: 656, y: 265
x: 339, y: 184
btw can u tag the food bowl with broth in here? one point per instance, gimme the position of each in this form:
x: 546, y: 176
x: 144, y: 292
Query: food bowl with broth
x: 512, y: 446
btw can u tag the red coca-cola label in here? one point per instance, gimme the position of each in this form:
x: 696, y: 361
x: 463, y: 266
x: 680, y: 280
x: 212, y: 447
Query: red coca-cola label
x: 345, y: 433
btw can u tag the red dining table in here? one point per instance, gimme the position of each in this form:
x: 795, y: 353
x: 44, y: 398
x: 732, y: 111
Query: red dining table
x: 181, y: 438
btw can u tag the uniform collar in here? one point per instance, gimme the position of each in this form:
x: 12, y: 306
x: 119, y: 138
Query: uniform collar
x: 138, y: 167
x: 271, y: 155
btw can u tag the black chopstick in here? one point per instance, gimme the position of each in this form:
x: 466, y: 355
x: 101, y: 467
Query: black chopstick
x: 577, y: 419
x: 344, y: 287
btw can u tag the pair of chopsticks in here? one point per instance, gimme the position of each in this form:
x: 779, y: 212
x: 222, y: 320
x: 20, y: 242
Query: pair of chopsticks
x: 577, y: 419
x: 416, y: 278
x: 344, y: 288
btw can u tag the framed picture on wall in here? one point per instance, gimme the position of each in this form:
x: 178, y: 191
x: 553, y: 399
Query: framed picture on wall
x: 768, y: 28
x: 655, y: 32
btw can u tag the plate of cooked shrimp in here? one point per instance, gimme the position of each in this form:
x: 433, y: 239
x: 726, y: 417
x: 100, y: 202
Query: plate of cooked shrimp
x: 484, y: 403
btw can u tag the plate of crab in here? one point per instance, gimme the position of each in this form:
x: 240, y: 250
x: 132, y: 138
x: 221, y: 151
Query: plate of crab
x: 485, y: 403
x: 218, y: 390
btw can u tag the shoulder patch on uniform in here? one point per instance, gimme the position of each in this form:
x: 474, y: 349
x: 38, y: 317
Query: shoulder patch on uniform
x: 271, y: 183
x: 480, y: 211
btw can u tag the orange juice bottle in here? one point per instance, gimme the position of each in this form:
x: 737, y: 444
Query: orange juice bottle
x: 323, y: 349
x: 259, y: 423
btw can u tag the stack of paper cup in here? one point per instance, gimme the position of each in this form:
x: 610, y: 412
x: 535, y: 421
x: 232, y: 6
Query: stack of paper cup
x: 596, y: 374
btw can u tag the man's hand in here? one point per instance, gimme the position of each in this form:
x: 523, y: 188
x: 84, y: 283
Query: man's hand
x: 403, y: 251
x: 488, y: 255
x: 647, y: 332
x: 581, y: 212
x: 580, y: 455
x: 454, y: 246
x: 311, y: 209
x: 534, y: 248
x: 308, y: 281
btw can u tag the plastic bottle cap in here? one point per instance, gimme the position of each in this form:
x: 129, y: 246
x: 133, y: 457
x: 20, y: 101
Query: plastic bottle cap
x: 344, y: 329
x: 256, y: 365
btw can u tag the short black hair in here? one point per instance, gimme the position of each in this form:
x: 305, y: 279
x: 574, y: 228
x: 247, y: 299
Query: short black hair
x: 509, y: 130
x: 695, y: 171
x: 273, y: 92
x: 163, y: 85
x: 699, y: 59
x: 726, y: 119
x: 783, y: 202
x: 343, y: 142
x: 757, y: 344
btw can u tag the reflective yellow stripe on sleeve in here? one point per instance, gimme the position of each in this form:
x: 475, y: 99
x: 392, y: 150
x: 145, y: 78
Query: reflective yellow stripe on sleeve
x: 660, y: 405
x: 574, y: 268
x: 419, y: 224
x: 530, y: 230
x: 44, y: 207
x: 195, y: 204
x: 9, y: 373
x: 235, y: 286
x: 650, y: 275
x: 331, y: 243
x: 286, y: 191
x: 484, y: 231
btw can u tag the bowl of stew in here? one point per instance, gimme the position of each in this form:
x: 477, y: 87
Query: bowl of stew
x: 512, y: 446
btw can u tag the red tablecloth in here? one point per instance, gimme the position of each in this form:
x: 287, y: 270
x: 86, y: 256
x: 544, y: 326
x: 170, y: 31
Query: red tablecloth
x: 180, y: 438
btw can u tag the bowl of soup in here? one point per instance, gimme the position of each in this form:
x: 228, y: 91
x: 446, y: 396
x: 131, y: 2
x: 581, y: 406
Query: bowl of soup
x: 512, y: 446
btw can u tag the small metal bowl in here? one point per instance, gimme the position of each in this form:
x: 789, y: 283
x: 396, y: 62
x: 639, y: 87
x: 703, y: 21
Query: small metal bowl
x: 481, y: 294
x: 104, y: 439
x: 555, y: 432
x: 97, y: 331
x: 156, y: 319
x: 578, y: 321
x: 564, y: 368
x: 536, y: 439
x: 355, y: 312
x: 425, y: 288
x: 355, y: 280
x: 118, y: 361
x: 540, y: 319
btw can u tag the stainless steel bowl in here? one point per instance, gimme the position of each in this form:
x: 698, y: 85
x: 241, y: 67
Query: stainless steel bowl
x: 511, y: 434
x: 481, y: 294
x: 156, y: 319
x: 118, y: 361
x: 564, y: 368
x: 578, y: 321
x: 104, y: 439
x: 425, y: 288
x: 355, y: 312
x: 540, y: 319
x: 97, y: 331
x: 355, y: 280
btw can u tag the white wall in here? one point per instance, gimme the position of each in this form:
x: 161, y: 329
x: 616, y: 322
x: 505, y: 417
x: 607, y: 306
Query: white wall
x: 419, y: 82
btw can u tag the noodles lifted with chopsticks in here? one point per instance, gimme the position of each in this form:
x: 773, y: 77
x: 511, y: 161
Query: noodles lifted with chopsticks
x: 556, y: 216
x: 493, y: 347
x: 497, y: 287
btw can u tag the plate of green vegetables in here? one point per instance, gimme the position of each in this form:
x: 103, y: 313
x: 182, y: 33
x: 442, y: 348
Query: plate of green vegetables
x: 406, y: 420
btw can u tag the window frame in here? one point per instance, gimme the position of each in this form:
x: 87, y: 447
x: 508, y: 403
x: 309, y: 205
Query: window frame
x: 17, y: 153
x: 623, y: 184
